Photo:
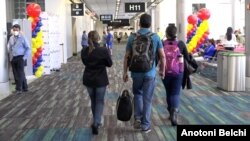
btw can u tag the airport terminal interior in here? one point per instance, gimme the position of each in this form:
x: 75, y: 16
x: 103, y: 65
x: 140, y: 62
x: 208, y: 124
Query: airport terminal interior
x: 56, y: 106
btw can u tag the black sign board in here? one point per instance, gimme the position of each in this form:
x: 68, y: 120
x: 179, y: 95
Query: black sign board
x: 77, y: 9
x: 119, y: 22
x: 134, y: 7
x: 106, y: 17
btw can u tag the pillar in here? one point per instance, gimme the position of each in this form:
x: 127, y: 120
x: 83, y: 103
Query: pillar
x: 180, y: 19
x: 4, y: 72
x: 247, y: 36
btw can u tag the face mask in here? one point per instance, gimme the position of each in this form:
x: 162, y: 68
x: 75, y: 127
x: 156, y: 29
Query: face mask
x: 16, y: 33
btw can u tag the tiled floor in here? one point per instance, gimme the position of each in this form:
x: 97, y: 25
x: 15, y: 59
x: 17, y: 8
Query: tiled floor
x: 57, y: 108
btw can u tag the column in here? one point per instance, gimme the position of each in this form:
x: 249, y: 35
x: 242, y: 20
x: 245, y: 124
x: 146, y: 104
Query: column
x: 152, y: 13
x: 247, y: 36
x: 180, y: 19
x: 3, y: 49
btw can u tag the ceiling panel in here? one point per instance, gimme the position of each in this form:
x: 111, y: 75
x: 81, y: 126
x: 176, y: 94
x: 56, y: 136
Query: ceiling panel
x: 108, y: 7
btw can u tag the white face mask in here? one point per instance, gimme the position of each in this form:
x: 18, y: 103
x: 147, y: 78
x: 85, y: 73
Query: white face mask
x: 16, y: 33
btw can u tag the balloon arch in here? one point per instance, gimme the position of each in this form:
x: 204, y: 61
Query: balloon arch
x: 33, y: 10
x: 197, y: 29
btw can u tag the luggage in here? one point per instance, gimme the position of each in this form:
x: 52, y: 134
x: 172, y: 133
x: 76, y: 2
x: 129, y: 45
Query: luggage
x: 124, y: 106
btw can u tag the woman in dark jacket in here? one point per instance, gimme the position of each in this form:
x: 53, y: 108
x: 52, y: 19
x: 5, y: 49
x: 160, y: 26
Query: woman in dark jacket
x: 172, y: 82
x: 95, y: 78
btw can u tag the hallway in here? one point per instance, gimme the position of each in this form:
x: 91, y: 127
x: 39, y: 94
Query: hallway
x: 57, y: 108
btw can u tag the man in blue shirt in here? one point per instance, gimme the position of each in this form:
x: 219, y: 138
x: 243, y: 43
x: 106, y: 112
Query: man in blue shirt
x: 19, y: 49
x: 84, y: 40
x: 109, y: 41
x: 144, y: 82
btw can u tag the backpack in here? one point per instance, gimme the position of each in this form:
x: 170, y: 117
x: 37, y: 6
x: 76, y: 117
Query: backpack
x: 142, y: 53
x: 173, y: 56
x: 124, y: 106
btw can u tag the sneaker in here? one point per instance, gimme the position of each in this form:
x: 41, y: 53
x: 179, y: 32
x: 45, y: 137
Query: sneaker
x: 137, y: 124
x: 146, y: 130
x: 18, y: 92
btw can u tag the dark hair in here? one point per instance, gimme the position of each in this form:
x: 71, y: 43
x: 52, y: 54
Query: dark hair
x: 229, y: 33
x: 16, y: 26
x: 212, y: 41
x: 171, y: 31
x: 145, y: 21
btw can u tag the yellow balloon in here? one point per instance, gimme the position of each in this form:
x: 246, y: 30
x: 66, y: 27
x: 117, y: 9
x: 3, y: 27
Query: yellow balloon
x: 33, y: 40
x: 31, y: 19
x: 40, y: 68
x: 38, y: 73
x: 40, y: 34
x: 34, y: 50
x: 190, y: 26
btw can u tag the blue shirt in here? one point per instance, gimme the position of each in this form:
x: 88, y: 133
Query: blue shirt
x: 157, y: 44
x: 18, y: 45
x: 109, y: 39
x: 209, y: 52
x: 84, y: 40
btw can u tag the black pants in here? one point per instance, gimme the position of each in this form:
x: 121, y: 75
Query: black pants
x: 17, y: 64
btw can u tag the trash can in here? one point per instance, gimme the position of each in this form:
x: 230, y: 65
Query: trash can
x: 231, y: 71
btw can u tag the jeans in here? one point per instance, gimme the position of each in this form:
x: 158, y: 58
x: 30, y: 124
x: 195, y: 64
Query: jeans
x: 18, y: 70
x: 97, y: 103
x: 143, y: 89
x: 172, y: 85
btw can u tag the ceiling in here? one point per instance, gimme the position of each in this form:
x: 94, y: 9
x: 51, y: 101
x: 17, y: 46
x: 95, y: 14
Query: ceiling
x: 108, y: 7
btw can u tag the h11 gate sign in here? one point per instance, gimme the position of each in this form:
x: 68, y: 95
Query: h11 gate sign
x: 77, y: 9
x: 134, y: 7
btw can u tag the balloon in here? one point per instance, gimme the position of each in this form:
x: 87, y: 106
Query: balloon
x: 204, y: 14
x: 34, y: 69
x: 39, y: 24
x: 33, y: 25
x: 41, y: 68
x: 33, y: 40
x: 38, y: 73
x: 40, y: 59
x: 37, y: 29
x: 33, y: 10
x: 34, y: 50
x: 31, y: 19
x: 33, y: 34
x: 39, y: 49
x: 36, y: 19
x: 192, y: 19
x: 34, y: 60
x: 38, y: 64
x: 37, y: 54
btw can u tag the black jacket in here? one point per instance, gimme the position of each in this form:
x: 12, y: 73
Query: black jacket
x: 95, y: 73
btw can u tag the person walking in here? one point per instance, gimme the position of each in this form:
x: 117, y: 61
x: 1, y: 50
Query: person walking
x: 95, y: 78
x: 173, y: 81
x: 84, y: 41
x: 143, y: 70
x: 109, y: 41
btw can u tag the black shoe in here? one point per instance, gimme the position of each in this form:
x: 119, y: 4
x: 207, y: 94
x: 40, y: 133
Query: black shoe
x: 173, y: 116
x: 94, y: 130
x: 26, y: 90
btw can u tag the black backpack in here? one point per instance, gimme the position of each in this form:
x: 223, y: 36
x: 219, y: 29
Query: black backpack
x: 142, y: 53
x: 124, y: 106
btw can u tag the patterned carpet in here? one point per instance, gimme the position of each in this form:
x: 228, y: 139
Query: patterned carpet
x: 57, y: 108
